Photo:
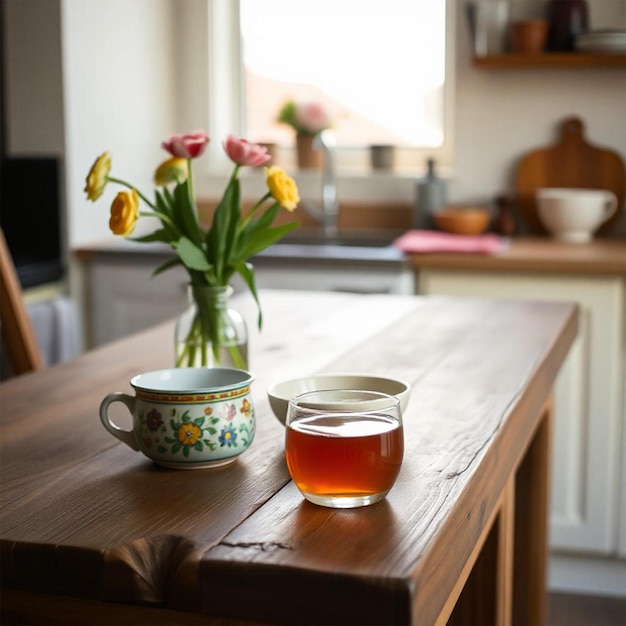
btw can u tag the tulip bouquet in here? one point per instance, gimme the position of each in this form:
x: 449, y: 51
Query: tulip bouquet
x: 210, y: 255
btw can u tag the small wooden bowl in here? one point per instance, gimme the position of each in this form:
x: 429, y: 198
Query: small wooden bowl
x: 461, y: 221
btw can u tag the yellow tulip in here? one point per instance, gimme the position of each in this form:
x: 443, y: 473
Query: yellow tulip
x: 97, y: 177
x: 174, y: 170
x: 282, y: 187
x: 124, y: 213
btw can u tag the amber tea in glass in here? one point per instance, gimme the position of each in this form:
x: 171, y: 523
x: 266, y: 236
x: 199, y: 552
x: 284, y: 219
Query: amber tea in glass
x: 344, y: 448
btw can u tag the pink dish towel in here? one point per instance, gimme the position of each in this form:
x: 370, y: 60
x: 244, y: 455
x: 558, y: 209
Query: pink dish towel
x: 435, y: 241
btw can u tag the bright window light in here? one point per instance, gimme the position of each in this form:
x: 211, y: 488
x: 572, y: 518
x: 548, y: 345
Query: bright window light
x: 377, y: 65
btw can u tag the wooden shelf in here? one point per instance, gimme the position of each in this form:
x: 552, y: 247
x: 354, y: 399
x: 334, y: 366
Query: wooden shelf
x: 550, y: 60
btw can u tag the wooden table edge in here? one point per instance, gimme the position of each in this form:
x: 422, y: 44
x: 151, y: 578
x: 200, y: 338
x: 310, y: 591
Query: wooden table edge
x: 535, y: 453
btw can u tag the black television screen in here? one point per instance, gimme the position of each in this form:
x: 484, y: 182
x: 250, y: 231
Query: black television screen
x: 30, y: 216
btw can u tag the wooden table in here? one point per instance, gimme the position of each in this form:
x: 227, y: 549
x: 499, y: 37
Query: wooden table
x: 94, y: 533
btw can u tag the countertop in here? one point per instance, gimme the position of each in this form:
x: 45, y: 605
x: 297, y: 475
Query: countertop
x: 538, y: 254
x: 303, y: 250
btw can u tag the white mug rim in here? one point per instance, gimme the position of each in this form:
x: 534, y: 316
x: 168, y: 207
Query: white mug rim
x: 171, y: 380
x: 583, y: 192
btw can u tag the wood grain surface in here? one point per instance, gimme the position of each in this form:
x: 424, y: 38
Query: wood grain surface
x: 84, y: 516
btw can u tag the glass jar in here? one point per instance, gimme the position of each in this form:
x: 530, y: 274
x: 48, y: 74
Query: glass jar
x: 567, y: 19
x: 209, y: 333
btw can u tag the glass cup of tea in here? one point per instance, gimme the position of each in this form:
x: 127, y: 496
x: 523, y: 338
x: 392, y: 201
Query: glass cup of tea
x: 344, y: 448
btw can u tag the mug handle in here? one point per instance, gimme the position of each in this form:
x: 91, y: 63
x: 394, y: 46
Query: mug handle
x: 126, y: 436
x: 611, y: 205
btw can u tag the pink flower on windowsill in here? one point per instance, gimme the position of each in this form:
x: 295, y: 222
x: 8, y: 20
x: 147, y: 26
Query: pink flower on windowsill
x: 308, y: 118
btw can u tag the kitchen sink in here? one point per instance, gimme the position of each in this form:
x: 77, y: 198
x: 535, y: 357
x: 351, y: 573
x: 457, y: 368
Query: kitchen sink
x: 363, y: 261
x: 352, y: 238
x: 353, y: 246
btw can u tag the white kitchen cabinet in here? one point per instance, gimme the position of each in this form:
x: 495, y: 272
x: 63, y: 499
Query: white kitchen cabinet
x: 332, y: 278
x: 588, y: 505
x: 122, y: 296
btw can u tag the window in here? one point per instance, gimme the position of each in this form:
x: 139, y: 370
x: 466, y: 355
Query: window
x: 378, y: 66
x: 383, y: 68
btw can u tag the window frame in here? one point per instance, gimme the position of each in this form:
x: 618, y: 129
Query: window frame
x: 225, y: 95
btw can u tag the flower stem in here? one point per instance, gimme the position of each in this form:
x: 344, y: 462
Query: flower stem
x: 237, y: 358
x: 209, y: 340
x: 162, y: 217
x: 190, y: 182
x: 119, y: 181
x: 252, y: 211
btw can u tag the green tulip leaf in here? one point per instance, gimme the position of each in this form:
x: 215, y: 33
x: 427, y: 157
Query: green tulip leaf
x: 191, y: 255
x: 163, y: 234
x: 186, y: 217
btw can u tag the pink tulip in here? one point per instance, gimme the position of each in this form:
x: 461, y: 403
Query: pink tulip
x: 243, y: 153
x: 187, y: 146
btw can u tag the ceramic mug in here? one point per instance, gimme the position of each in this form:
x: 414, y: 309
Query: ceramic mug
x: 575, y: 214
x: 187, y: 418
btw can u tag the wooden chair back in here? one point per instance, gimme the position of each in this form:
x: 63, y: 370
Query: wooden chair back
x: 18, y: 335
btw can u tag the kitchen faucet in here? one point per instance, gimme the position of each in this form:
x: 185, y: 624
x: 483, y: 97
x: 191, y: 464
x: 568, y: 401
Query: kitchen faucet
x: 327, y: 214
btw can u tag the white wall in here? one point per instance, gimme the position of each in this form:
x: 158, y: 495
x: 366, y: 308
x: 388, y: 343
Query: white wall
x: 33, y: 90
x: 132, y: 74
x: 118, y: 71
x: 501, y: 115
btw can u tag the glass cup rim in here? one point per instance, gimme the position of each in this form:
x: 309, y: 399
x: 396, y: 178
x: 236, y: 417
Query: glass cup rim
x: 340, y: 401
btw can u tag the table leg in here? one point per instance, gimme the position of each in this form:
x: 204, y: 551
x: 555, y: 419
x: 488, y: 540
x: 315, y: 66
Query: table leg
x: 487, y: 593
x: 531, y: 526
x: 506, y: 539
x: 504, y: 581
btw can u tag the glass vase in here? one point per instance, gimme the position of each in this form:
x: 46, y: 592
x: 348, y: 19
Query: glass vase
x: 209, y: 333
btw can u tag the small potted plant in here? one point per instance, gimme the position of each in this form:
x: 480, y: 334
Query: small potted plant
x: 307, y: 119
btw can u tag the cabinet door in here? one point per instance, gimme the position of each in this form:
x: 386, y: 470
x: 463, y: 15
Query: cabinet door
x: 352, y: 280
x: 589, y: 414
x: 128, y: 298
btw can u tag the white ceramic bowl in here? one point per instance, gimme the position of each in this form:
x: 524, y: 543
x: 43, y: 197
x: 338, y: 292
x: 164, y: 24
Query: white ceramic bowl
x: 574, y: 215
x: 279, y: 394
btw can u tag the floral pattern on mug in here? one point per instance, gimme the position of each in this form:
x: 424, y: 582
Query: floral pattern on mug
x: 212, y: 429
x: 228, y: 437
x: 188, y: 434
x: 154, y: 420
x: 247, y: 433
x: 228, y: 412
x: 246, y: 408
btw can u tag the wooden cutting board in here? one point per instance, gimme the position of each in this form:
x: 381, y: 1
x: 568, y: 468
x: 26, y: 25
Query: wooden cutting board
x: 570, y: 162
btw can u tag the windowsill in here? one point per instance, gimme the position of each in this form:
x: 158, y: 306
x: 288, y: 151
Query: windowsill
x: 354, y: 185
x: 388, y: 186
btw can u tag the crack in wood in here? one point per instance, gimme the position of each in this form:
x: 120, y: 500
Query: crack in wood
x: 263, y: 546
